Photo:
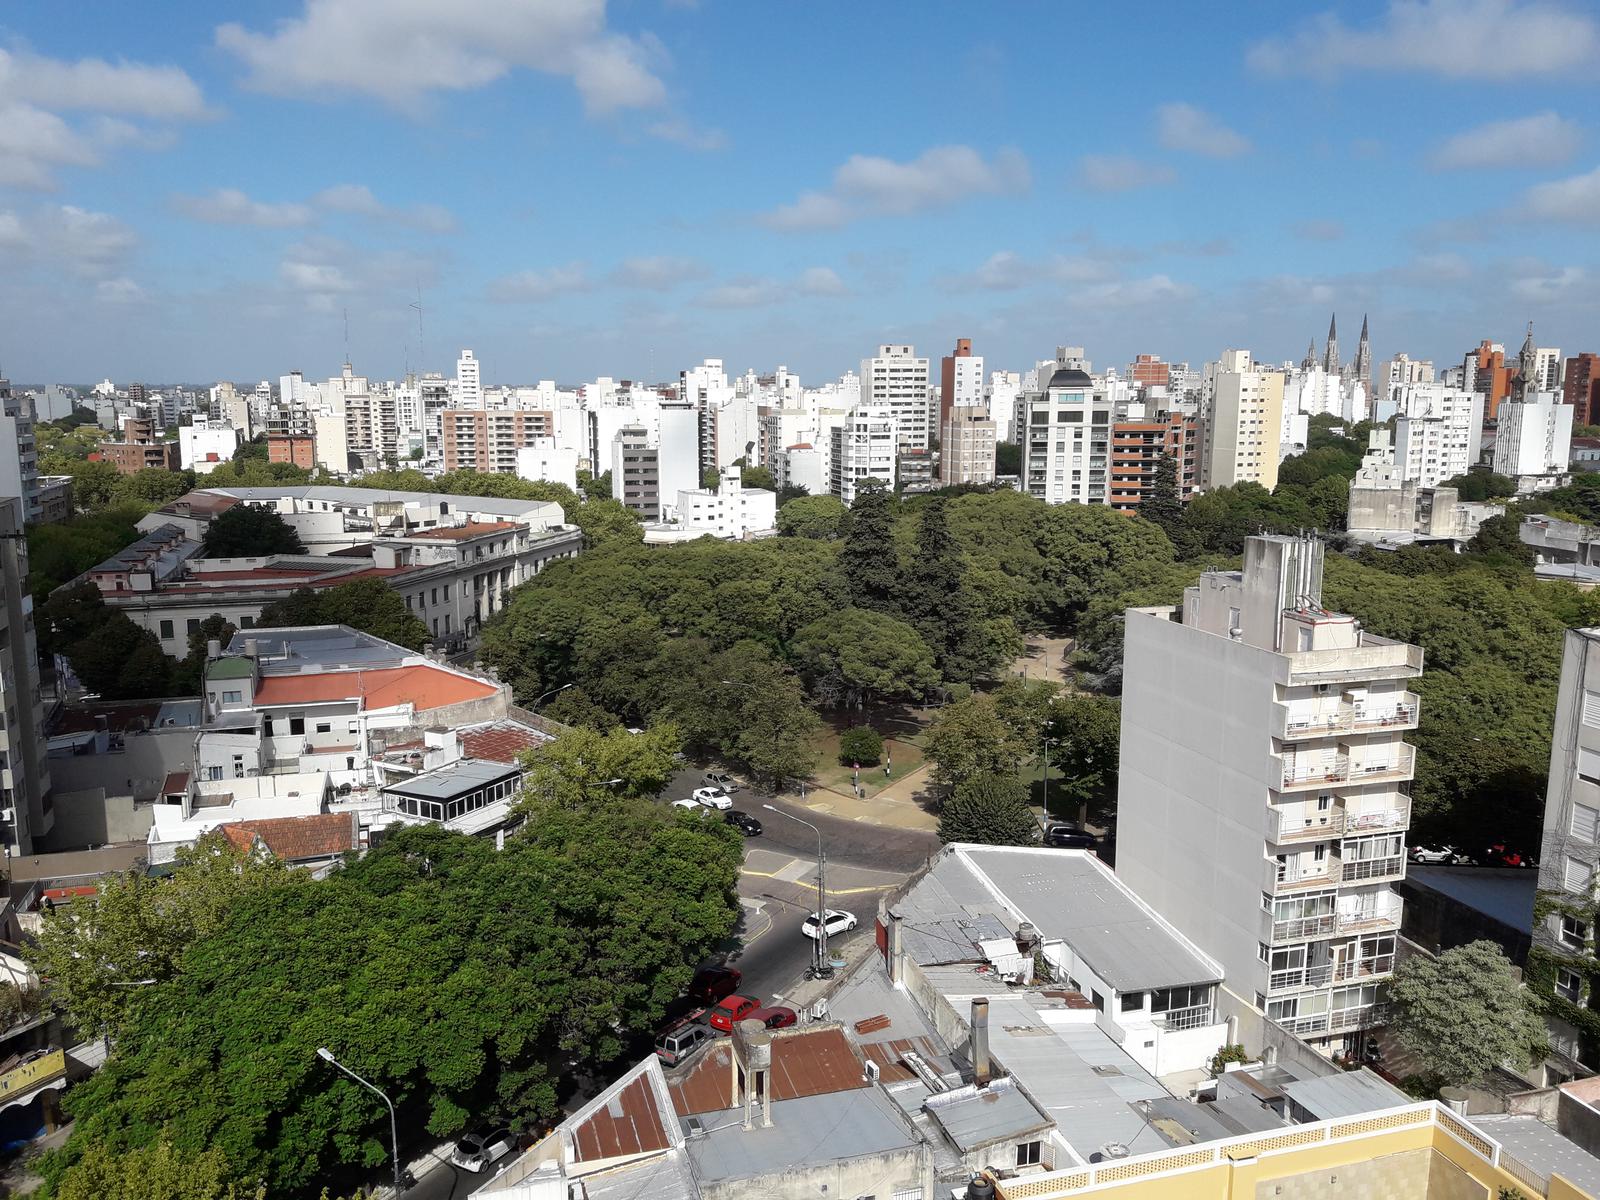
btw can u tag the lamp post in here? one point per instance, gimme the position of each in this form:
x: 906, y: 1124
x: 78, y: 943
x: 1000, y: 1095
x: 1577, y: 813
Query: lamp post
x: 326, y: 1056
x: 821, y: 966
x: 1048, y: 742
x: 534, y: 707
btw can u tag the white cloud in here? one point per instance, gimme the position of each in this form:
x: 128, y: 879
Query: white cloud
x: 867, y: 185
x: 690, y: 136
x: 94, y: 85
x: 89, y: 244
x: 1443, y: 267
x: 1006, y: 271
x: 1574, y: 201
x: 821, y: 281
x: 33, y: 143
x: 358, y: 200
x: 534, y: 286
x: 1184, y: 127
x: 1543, y: 140
x: 1459, y: 39
x: 1121, y: 173
x: 657, y: 272
x: 1134, y: 293
x: 1550, y: 285
x: 746, y: 291
x: 400, y: 50
x: 230, y: 206
x: 316, y: 277
x: 120, y: 290
x: 1319, y: 230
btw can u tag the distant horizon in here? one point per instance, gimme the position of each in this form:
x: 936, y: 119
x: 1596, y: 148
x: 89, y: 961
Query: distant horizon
x: 575, y: 189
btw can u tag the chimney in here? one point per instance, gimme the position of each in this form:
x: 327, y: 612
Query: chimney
x: 897, y: 962
x: 980, y: 1040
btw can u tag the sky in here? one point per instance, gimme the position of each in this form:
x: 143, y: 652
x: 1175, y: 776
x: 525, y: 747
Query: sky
x: 575, y: 189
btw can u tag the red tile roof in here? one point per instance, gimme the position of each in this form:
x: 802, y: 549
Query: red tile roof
x: 501, y: 742
x: 295, y: 838
x: 175, y: 783
x: 424, y: 686
x: 629, y: 1124
x: 461, y: 533
x: 806, y: 1062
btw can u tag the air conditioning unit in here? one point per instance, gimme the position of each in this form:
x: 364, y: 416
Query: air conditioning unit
x: 8, y: 815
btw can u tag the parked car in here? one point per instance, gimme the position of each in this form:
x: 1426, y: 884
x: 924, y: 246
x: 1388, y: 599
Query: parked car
x: 743, y: 821
x: 776, y: 1017
x: 679, y: 1042
x: 713, y: 983
x: 1434, y: 855
x: 712, y: 798
x: 478, y: 1149
x: 1069, y: 837
x: 731, y: 1009
x: 839, y: 922
x: 693, y: 804
x: 1498, y: 856
x: 721, y: 780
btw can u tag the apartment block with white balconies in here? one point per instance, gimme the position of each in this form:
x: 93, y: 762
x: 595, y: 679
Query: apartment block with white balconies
x: 1265, y: 785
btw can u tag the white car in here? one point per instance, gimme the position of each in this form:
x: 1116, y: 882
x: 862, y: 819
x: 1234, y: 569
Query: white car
x: 481, y: 1148
x: 713, y: 798
x: 839, y: 922
x: 1433, y: 855
x: 689, y: 804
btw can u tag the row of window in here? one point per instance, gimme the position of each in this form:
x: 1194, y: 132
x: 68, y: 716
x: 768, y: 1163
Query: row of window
x: 192, y: 626
x: 434, y: 810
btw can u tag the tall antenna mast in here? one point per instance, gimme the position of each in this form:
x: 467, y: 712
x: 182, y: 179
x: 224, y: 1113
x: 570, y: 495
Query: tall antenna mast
x: 422, y: 346
x: 347, y: 335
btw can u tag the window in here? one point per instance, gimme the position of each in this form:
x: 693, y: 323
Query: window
x: 433, y: 594
x: 1573, y: 931
x: 1585, y: 822
x: 1578, y: 876
x: 1569, y: 985
x: 166, y: 631
x: 1099, y: 1001
x: 324, y: 727
x: 192, y: 625
x: 1588, y: 764
x: 297, y: 726
x: 213, y: 772
x: 1591, y: 709
x: 246, y: 621
x: 1028, y: 1154
x: 1263, y: 951
x: 1132, y: 1001
x: 266, y: 726
x: 447, y: 593
x: 232, y: 697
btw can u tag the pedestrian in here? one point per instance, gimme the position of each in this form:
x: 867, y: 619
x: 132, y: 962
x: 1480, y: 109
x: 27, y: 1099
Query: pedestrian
x: 886, y: 768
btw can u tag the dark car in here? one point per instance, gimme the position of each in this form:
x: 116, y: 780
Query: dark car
x: 743, y: 821
x: 1069, y: 837
x: 720, y: 779
x: 711, y: 984
x: 776, y: 1017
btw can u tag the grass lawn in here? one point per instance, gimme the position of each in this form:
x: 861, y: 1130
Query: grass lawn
x: 901, y: 753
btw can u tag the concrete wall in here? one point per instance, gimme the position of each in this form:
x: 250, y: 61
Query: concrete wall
x: 1578, y: 1121
x: 92, y: 818
x: 137, y: 770
x: 1438, y: 922
x: 1257, y: 1035
x: 869, y: 1175
x: 1410, y: 1175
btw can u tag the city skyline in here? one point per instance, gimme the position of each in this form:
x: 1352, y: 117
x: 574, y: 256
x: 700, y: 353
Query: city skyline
x: 577, y: 191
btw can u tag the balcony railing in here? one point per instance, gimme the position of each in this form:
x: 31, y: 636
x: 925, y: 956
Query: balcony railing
x: 1322, y: 974
x: 1374, y: 870
x: 1397, y: 817
x: 1197, y: 1017
x: 1299, y: 929
x: 1340, y: 769
x: 1303, y: 825
x: 1400, y: 712
x: 1334, y: 1022
x: 1287, y: 877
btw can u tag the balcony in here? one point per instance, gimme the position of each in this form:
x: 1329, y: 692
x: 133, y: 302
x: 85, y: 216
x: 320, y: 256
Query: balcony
x: 1286, y: 878
x: 1381, y: 918
x: 1303, y: 825
x: 1374, y: 658
x: 1374, y: 870
x: 1399, y: 711
x: 1335, y: 1022
x: 1366, y: 969
x: 1340, y: 769
x: 1379, y: 820
x: 1197, y: 1017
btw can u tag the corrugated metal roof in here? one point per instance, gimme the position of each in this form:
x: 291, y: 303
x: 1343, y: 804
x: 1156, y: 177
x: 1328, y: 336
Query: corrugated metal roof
x: 974, y: 1117
x: 444, y: 783
x: 664, y: 1177
x: 1344, y: 1094
x: 625, y: 1120
x: 805, y: 1062
x: 803, y: 1133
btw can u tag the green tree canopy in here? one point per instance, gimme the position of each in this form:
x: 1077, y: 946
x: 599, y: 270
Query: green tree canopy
x: 1482, y: 485
x: 1085, y: 734
x: 860, y: 656
x: 606, y: 521
x: 1465, y: 1013
x: 867, y: 559
x: 250, y: 531
x: 819, y: 517
x: 988, y: 809
x: 368, y: 605
x: 148, y: 1172
x: 66, y: 549
x: 113, y: 657
x: 969, y: 739
x: 582, y: 764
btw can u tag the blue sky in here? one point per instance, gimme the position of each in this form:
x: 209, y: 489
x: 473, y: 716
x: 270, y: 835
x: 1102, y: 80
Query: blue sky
x: 585, y: 189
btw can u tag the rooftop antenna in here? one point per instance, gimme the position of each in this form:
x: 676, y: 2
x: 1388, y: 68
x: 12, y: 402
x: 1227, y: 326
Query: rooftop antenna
x: 347, y: 335
x: 422, y: 345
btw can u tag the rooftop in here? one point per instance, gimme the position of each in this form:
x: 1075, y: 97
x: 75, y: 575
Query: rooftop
x: 444, y: 783
x: 813, y: 1061
x: 840, y: 1125
x: 501, y: 741
x: 296, y: 647
x: 466, y: 532
x: 295, y: 838
x: 424, y: 687
x: 629, y: 1117
x: 974, y: 1117
x: 1534, y: 1144
x: 1344, y: 1094
x: 1504, y: 893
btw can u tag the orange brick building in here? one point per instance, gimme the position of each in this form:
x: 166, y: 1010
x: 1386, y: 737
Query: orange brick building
x: 297, y: 448
x: 1136, y: 449
x: 1493, y: 378
x: 139, y: 448
x: 1580, y: 387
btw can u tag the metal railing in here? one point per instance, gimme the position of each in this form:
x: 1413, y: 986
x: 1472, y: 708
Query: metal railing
x: 1340, y: 769
x: 1334, y: 1022
x: 1296, y: 929
x: 1376, y: 967
x: 1372, y: 869
x: 1281, y: 877
x: 1197, y: 1017
x: 1388, y: 818
x: 31, y: 1074
x: 1302, y: 825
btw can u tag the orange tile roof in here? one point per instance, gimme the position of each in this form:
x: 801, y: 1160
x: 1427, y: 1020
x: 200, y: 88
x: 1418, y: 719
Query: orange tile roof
x: 424, y: 686
x: 472, y: 529
x: 294, y: 838
x: 807, y: 1062
x: 501, y: 742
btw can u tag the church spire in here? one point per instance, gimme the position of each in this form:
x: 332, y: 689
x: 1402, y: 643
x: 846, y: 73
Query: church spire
x: 1528, y: 368
x: 1330, y: 358
x: 1363, y: 364
x: 1310, y: 360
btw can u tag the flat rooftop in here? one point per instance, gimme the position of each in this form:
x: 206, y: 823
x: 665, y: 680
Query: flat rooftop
x: 1534, y: 1144
x: 445, y: 783
x: 1506, y: 894
x: 837, y: 1125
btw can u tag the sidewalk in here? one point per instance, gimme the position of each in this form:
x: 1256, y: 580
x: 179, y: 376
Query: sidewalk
x: 895, y: 805
x: 854, y: 948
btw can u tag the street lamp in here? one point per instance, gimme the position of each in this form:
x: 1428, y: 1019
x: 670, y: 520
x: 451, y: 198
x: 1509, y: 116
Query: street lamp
x: 326, y: 1056
x: 535, y: 705
x: 822, y: 969
x: 1048, y: 742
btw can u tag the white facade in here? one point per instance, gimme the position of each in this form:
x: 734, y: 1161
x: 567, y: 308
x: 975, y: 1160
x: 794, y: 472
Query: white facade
x: 677, y: 448
x: 863, y: 447
x: 1546, y: 369
x: 1066, y: 446
x: 1004, y: 389
x: 1534, y: 437
x: 1264, y: 792
x: 19, y: 456
x: 730, y: 511
x: 1244, y: 424
x: 898, y: 379
x: 205, y: 445
x: 968, y: 391
x: 469, y: 383
x: 1438, y: 432
x: 545, y: 460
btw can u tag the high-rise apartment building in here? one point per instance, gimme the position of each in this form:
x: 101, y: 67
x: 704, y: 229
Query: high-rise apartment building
x: 469, y: 384
x: 1403, y: 369
x: 1066, y: 440
x: 488, y: 439
x: 1484, y: 371
x: 1580, y: 387
x: 1137, y: 448
x: 1264, y: 791
x: 966, y: 432
x: 898, y: 379
x: 636, y: 472
x: 1547, y: 369
x: 863, y: 447
x: 1147, y: 370
x: 140, y: 448
x: 1245, y: 423
x: 25, y: 809
x: 19, y: 455
x: 960, y: 380
x: 1438, y: 432
x: 1002, y: 397
x: 1534, y: 436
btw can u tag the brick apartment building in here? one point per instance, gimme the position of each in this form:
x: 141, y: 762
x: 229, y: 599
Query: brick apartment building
x: 139, y: 448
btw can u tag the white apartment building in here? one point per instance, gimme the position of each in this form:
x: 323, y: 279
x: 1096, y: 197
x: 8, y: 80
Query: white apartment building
x: 19, y: 456
x: 1066, y: 448
x: 1265, y: 785
x: 1438, y: 431
x: 863, y: 448
x: 1244, y: 424
x: 26, y: 812
x: 898, y: 379
x: 1312, y: 391
x: 636, y: 472
x: 731, y: 510
x: 1533, y: 438
x: 205, y: 445
x: 469, y: 382
x: 1001, y: 400
x: 544, y: 459
x: 1546, y: 369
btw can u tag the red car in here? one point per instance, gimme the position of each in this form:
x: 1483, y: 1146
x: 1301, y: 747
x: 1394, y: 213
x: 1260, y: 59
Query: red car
x: 773, y: 1018
x: 713, y: 983
x: 731, y: 1009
